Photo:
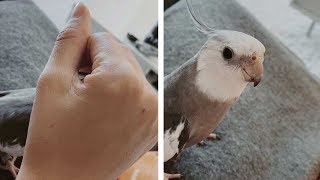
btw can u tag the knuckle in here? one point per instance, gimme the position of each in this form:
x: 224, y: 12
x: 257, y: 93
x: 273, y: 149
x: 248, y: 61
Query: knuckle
x: 100, y: 56
x: 109, y: 37
x: 132, y: 84
x: 106, y: 36
x: 69, y: 32
x: 119, y: 81
x: 46, y: 79
x: 52, y: 80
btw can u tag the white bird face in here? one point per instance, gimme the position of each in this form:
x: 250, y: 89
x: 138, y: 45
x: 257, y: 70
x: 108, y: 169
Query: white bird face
x: 227, y: 62
x: 243, y: 51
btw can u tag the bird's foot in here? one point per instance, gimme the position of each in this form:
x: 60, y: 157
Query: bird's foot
x: 9, y: 166
x: 176, y: 158
x: 201, y: 143
x: 167, y: 176
x: 213, y: 136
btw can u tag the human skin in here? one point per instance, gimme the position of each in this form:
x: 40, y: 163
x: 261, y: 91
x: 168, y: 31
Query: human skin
x: 93, y: 128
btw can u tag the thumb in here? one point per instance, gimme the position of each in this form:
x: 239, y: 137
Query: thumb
x: 71, y: 42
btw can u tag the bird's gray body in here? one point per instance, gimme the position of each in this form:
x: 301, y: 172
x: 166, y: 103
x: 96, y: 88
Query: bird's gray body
x: 184, y: 102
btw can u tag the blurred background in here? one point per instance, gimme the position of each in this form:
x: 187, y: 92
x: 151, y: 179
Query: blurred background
x: 295, y: 23
x: 136, y: 16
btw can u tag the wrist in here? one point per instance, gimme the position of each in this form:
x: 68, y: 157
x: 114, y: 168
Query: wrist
x: 53, y: 171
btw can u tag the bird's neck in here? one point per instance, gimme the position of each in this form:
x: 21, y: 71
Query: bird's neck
x: 181, y: 87
x: 217, y: 79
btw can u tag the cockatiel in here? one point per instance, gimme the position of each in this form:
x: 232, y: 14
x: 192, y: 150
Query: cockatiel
x: 198, y: 94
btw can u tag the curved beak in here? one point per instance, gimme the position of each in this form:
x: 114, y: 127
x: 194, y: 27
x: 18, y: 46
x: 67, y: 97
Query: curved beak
x: 253, y: 72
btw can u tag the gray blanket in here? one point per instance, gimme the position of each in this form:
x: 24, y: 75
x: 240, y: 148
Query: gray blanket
x: 273, y: 130
x: 26, y: 40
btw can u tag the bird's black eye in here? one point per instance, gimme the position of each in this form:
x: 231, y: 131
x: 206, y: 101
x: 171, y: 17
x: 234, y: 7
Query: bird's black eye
x: 227, y: 53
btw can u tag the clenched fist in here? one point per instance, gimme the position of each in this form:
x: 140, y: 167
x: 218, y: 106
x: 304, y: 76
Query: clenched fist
x: 93, y: 128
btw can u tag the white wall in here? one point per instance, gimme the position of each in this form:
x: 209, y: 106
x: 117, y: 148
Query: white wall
x: 291, y: 27
x: 121, y: 16
x: 118, y: 16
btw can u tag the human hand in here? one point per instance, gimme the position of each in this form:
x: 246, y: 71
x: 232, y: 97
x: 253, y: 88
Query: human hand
x: 95, y: 128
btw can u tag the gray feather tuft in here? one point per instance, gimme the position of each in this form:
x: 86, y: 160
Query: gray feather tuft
x: 200, y: 25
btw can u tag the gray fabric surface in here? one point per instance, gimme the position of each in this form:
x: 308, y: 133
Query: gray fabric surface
x: 26, y: 39
x: 273, y: 130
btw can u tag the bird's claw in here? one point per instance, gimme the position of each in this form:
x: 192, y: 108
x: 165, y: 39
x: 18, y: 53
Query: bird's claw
x: 214, y: 136
x: 171, y: 176
x: 202, y: 143
x: 9, y: 166
x: 211, y: 136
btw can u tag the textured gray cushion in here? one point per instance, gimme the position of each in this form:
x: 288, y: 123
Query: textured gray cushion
x: 26, y: 40
x: 273, y: 130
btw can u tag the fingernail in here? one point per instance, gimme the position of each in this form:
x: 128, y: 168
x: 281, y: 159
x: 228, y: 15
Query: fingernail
x: 78, y: 10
